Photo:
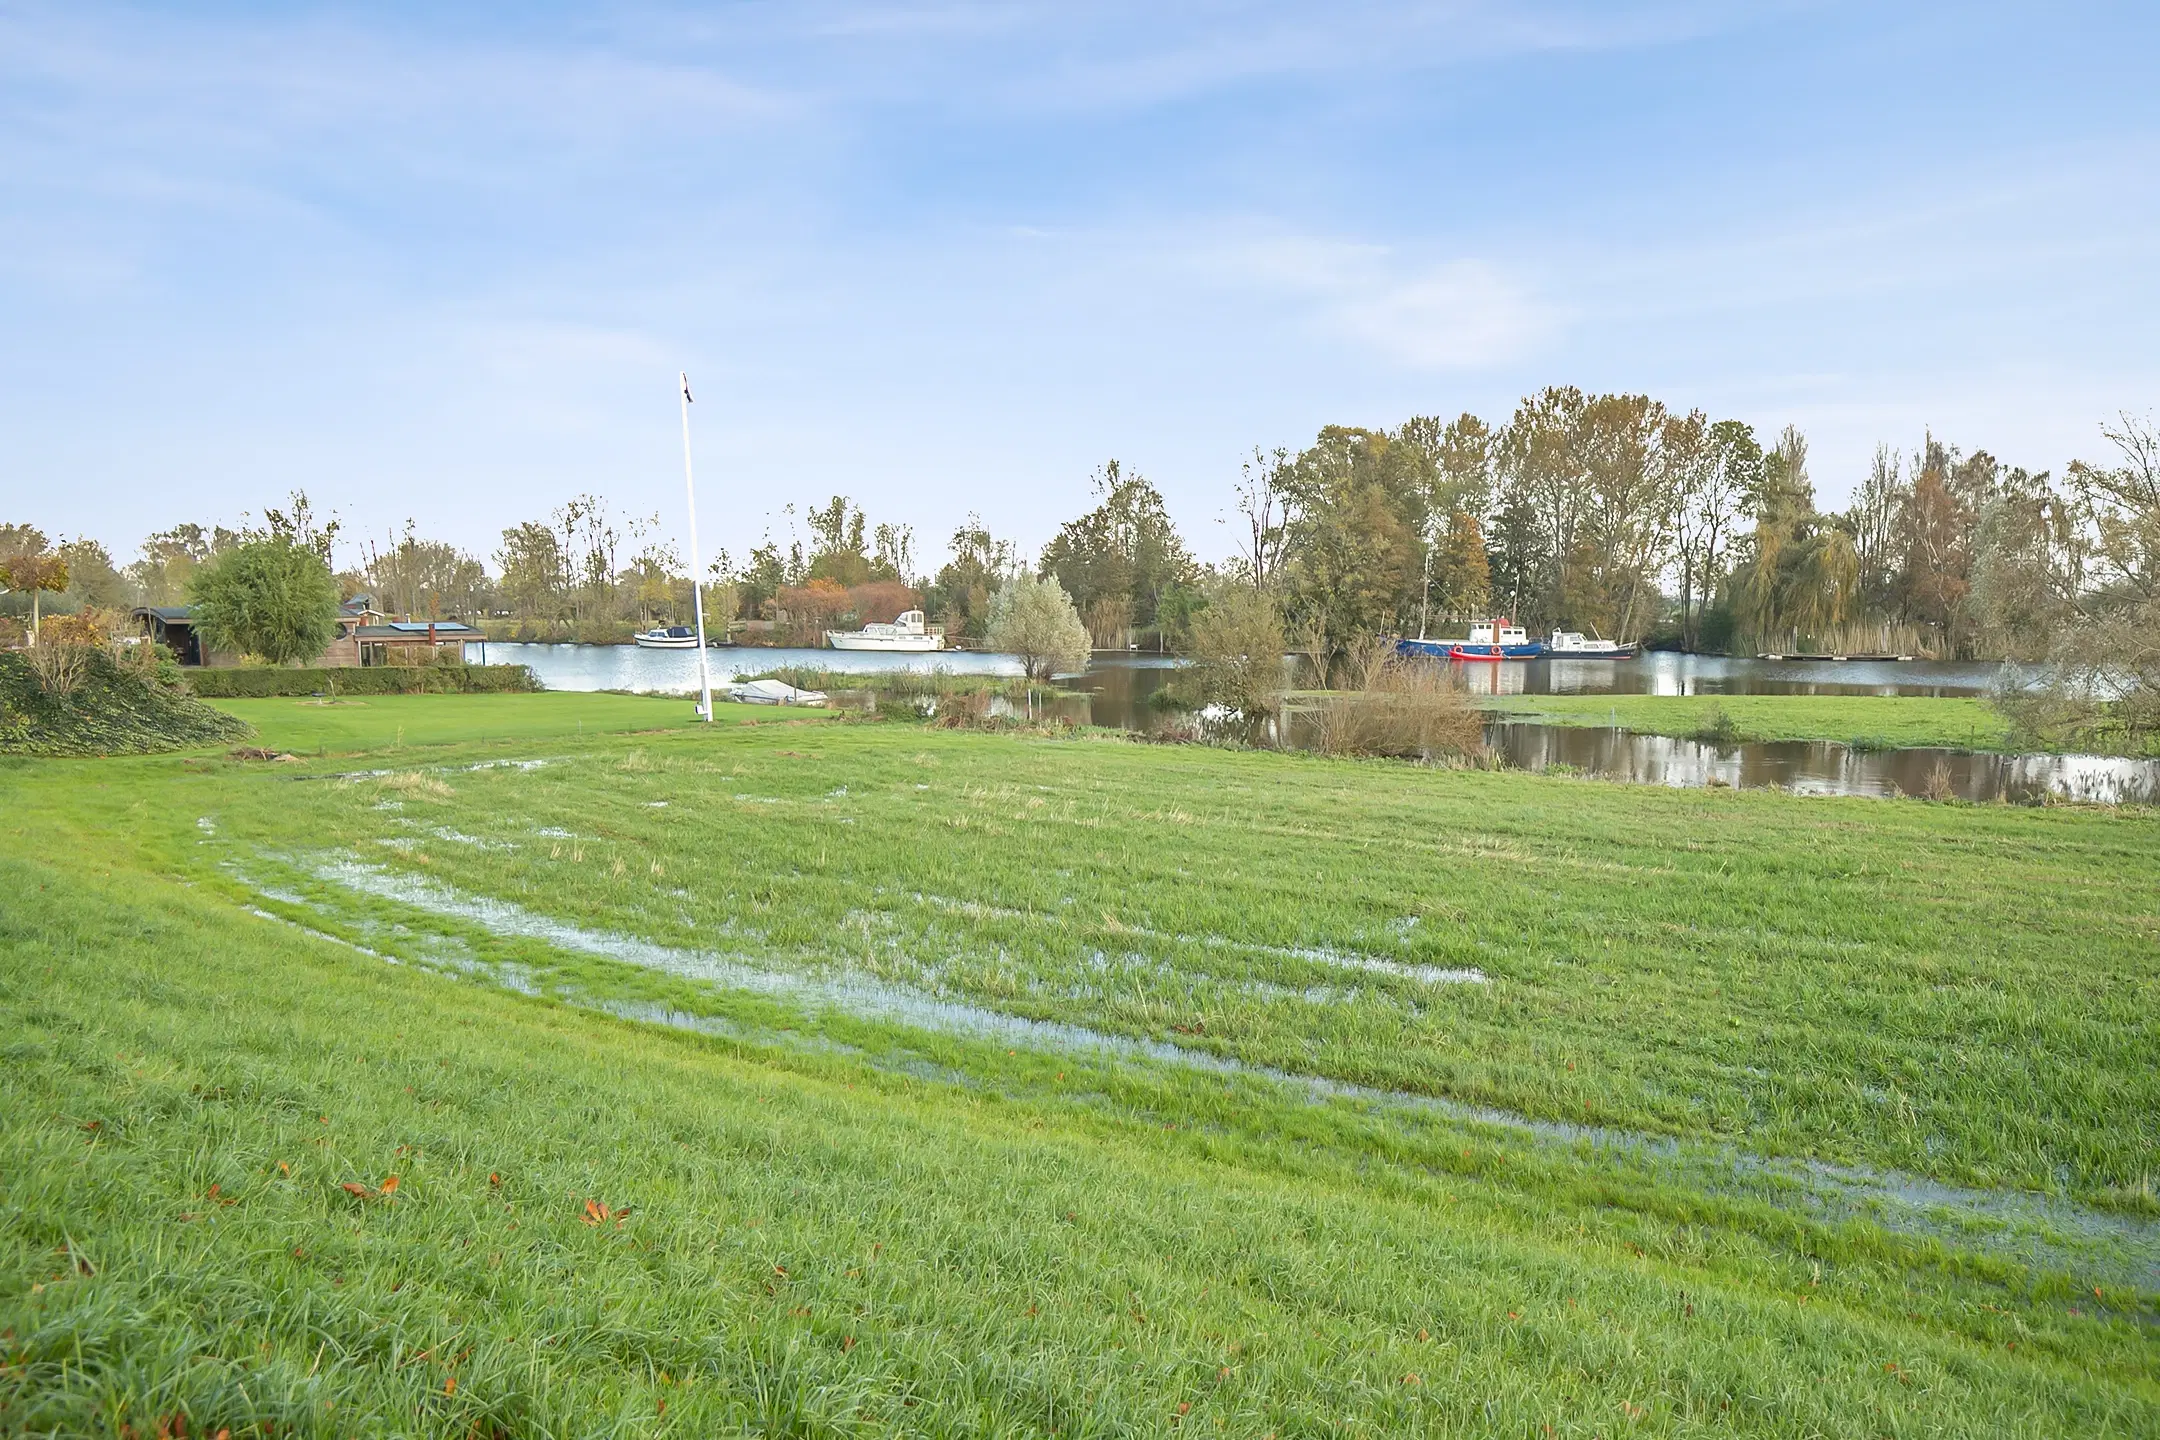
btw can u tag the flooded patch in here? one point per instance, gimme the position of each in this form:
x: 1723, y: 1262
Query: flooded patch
x: 458, y: 837
x: 1314, y: 955
x: 1816, y: 767
x: 2032, y: 1228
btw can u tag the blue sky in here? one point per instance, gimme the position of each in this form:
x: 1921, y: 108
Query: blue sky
x: 444, y: 261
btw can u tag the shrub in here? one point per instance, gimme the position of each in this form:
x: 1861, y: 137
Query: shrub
x: 1717, y: 727
x: 59, y: 665
x: 1412, y: 709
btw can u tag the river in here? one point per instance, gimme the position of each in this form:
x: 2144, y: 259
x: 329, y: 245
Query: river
x: 1116, y: 690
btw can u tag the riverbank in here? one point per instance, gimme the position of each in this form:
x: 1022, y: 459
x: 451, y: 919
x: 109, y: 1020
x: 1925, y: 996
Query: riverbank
x: 1863, y: 722
x: 837, y: 1070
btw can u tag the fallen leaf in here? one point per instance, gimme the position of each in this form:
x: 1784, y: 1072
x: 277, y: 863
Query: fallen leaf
x: 494, y: 1179
x: 354, y: 1187
x: 389, y: 1184
x: 449, y: 1386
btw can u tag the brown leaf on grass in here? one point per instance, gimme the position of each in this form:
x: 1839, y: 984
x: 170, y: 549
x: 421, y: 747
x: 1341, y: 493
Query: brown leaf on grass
x: 494, y: 1179
x: 597, y: 1213
x: 389, y: 1184
x: 354, y: 1187
x: 449, y: 1385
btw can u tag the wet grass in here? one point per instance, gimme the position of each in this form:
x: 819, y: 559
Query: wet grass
x: 343, y: 727
x: 1865, y: 722
x: 849, y: 1219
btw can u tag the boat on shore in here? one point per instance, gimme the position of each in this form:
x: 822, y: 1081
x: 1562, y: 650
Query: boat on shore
x: 672, y: 637
x: 907, y: 634
x: 1573, y: 645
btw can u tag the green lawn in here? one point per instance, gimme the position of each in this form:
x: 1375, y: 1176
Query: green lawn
x: 1208, y: 1189
x: 349, y: 726
x: 1870, y: 721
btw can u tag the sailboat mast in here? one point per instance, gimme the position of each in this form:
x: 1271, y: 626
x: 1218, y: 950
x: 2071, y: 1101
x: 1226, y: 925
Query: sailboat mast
x: 697, y: 587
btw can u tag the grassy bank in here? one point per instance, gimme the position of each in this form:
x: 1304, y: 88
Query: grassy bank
x: 864, y: 1196
x: 1874, y: 722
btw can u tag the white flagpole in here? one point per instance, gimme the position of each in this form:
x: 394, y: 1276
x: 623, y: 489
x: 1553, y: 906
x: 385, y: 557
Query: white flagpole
x: 697, y: 587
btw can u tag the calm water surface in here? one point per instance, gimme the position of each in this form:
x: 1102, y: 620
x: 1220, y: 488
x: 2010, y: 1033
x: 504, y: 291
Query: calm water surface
x: 1116, y: 690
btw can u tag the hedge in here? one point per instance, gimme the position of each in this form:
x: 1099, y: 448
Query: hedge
x: 258, y: 683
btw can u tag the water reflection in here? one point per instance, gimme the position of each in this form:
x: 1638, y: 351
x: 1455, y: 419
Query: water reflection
x: 674, y: 672
x: 1812, y: 767
x: 1664, y: 673
x: 1120, y: 690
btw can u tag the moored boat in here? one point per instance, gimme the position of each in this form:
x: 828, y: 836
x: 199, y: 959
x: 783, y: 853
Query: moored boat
x: 908, y: 634
x: 673, y: 637
x: 1496, y: 640
x: 1573, y: 645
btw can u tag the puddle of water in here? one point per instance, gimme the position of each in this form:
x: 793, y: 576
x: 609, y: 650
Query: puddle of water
x: 2022, y: 1225
x: 1317, y: 955
x: 1812, y: 767
x: 458, y: 837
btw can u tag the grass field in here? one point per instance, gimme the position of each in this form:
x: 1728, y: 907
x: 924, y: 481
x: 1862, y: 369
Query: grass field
x: 344, y: 727
x: 960, y: 1083
x: 1875, y: 722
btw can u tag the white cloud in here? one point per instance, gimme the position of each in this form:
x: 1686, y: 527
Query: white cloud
x: 1458, y: 314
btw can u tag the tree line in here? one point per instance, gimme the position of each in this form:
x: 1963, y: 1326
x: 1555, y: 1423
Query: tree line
x: 1607, y: 512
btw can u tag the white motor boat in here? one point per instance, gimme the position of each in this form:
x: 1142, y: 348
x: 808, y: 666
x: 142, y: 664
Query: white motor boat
x: 908, y: 634
x: 673, y: 637
x: 1571, y: 645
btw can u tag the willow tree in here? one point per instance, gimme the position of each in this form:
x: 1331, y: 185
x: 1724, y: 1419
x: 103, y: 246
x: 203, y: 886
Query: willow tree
x: 272, y: 597
x: 1800, y: 577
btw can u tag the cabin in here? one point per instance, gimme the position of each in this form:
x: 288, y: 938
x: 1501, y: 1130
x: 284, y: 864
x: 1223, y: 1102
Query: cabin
x: 365, y: 636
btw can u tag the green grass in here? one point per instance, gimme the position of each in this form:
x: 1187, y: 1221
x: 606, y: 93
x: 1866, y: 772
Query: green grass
x: 350, y: 726
x: 849, y: 1217
x: 1876, y: 722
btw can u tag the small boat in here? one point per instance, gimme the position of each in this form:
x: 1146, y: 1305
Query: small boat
x: 908, y: 633
x: 674, y: 637
x: 773, y: 692
x: 1496, y: 640
x: 1573, y: 645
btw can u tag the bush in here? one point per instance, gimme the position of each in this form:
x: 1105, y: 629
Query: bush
x: 253, y: 684
x: 1409, y: 709
x: 131, y: 706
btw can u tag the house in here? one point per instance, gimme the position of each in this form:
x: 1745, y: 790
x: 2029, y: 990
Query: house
x: 365, y: 636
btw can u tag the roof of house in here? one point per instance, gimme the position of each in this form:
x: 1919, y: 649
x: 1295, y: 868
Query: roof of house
x: 170, y: 614
x: 415, y: 630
